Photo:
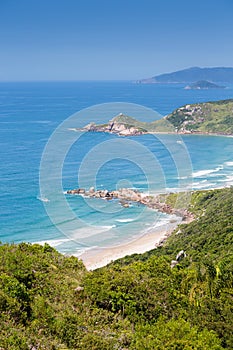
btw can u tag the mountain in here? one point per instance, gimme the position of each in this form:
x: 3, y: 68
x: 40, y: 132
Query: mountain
x: 190, y: 75
x: 203, y: 85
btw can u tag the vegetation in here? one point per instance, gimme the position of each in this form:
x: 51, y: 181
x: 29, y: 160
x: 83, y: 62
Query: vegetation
x: 208, y: 117
x: 49, y: 301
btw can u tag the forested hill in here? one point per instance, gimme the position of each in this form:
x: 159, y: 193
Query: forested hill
x: 207, y: 117
x: 49, y: 301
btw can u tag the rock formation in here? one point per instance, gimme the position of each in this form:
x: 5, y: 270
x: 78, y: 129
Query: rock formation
x: 127, y: 195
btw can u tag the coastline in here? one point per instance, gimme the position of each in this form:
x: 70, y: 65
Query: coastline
x: 200, y: 133
x: 99, y: 257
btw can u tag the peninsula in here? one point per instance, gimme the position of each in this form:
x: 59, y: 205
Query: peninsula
x: 127, y: 195
x: 200, y: 118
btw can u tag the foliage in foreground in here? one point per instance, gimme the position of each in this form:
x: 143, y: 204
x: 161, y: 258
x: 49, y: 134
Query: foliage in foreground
x: 49, y: 301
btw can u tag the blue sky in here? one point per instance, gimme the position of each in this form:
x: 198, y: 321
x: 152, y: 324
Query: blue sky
x: 111, y: 40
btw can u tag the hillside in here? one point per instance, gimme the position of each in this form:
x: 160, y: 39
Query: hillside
x: 49, y: 301
x: 207, y: 117
x: 190, y: 75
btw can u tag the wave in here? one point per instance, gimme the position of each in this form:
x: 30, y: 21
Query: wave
x: 52, y: 242
x: 228, y: 163
x: 201, y: 185
x: 125, y: 220
x: 164, y: 222
x: 89, y: 231
x: 43, y: 199
x: 201, y: 173
x: 182, y: 177
x: 227, y: 179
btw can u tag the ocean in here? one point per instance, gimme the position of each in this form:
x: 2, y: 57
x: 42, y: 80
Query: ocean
x: 39, y: 118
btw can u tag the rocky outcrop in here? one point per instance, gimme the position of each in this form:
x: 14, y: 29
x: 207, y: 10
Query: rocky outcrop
x: 127, y: 195
x: 121, y: 125
x: 181, y: 255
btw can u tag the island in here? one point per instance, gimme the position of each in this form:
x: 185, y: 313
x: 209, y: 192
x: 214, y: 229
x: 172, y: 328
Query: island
x: 190, y: 75
x: 203, y: 85
x: 199, y: 118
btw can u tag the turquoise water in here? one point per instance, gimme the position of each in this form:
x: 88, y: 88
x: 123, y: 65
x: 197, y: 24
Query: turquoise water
x: 29, y: 114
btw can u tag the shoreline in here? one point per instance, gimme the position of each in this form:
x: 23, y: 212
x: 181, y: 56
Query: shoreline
x: 100, y: 257
x: 180, y: 133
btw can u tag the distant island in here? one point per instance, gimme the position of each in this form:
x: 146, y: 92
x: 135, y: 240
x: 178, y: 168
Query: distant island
x: 199, y: 118
x: 191, y: 75
x: 203, y: 85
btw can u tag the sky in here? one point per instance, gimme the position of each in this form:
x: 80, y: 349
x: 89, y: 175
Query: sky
x: 112, y: 39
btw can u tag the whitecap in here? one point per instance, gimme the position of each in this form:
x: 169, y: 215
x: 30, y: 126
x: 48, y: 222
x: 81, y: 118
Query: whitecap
x: 200, y: 185
x: 43, y: 199
x: 125, y: 220
x: 228, y: 163
x: 52, y: 242
x: 227, y: 179
x: 201, y: 173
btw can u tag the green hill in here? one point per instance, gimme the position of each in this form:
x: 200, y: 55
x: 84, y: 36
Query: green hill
x: 207, y: 117
x: 49, y: 301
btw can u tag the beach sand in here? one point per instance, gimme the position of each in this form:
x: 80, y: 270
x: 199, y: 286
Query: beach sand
x: 100, y: 257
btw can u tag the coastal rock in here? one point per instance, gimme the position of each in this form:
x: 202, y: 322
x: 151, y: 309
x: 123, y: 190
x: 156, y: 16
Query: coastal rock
x: 127, y: 195
x: 91, y: 190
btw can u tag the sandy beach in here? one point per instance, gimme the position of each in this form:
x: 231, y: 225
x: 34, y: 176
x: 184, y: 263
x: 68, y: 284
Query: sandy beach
x: 95, y: 258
